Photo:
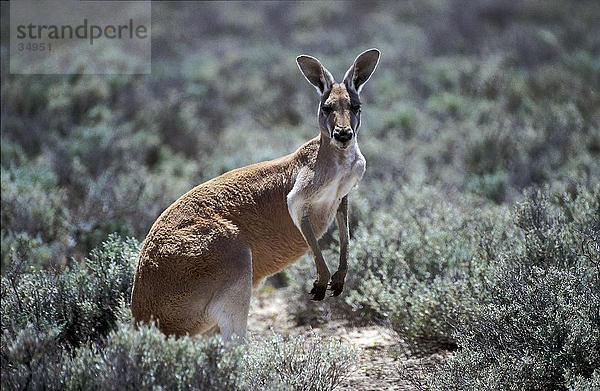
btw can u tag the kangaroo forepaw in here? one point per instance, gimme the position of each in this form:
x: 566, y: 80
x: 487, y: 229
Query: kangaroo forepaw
x: 318, y: 291
x: 337, y: 283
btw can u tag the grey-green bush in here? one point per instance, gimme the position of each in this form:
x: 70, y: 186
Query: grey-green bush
x: 73, y: 330
x: 514, y: 292
x: 473, y: 102
x: 413, y: 263
x: 78, y: 303
x: 489, y: 113
x: 538, y: 326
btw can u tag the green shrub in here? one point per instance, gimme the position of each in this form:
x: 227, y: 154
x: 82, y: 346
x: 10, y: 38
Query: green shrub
x: 34, y: 218
x: 73, y: 330
x: 144, y: 359
x: 458, y: 120
x: 538, y: 326
x: 410, y: 265
x: 297, y: 363
x: 432, y: 111
x: 79, y: 302
x: 31, y: 359
x: 417, y: 263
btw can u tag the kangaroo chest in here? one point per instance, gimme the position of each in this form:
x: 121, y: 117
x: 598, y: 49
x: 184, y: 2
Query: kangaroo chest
x: 319, y: 194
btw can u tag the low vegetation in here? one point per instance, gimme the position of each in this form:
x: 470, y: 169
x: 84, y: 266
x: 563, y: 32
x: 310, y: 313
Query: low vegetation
x: 475, y: 229
x: 72, y: 330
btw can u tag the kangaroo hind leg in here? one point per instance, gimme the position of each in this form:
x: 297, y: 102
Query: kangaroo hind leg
x: 231, y: 302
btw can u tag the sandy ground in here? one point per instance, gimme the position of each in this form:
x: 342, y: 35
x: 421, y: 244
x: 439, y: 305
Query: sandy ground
x: 383, y: 360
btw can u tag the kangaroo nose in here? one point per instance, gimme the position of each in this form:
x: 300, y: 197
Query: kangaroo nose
x: 343, y: 135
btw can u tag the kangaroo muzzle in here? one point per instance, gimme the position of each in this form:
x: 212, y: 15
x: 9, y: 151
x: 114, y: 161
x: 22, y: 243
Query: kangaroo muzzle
x: 343, y: 135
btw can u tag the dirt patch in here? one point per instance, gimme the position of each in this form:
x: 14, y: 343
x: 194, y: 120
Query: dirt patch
x: 383, y: 362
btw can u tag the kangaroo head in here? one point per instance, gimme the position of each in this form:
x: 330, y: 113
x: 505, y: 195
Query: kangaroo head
x: 339, y: 107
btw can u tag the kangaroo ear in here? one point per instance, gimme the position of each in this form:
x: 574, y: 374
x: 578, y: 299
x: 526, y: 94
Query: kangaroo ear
x: 362, y: 69
x: 315, y: 73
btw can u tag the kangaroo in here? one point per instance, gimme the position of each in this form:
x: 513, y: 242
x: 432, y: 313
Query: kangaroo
x: 206, y: 252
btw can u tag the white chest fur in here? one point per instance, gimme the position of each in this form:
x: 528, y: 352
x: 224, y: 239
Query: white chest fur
x: 318, y: 194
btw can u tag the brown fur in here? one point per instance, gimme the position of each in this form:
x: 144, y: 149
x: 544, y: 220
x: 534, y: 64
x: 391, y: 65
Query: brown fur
x: 187, y: 238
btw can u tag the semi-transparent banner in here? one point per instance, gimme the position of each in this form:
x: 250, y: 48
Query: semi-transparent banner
x: 80, y: 37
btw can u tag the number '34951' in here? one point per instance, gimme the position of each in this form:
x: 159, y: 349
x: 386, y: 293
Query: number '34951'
x: 34, y: 47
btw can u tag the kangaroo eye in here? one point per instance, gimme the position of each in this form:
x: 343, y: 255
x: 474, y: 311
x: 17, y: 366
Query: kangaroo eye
x: 326, y: 110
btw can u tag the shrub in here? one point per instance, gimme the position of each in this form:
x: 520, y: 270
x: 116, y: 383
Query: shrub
x: 78, y: 303
x: 73, y: 330
x: 145, y: 359
x: 465, y: 115
x: 34, y: 218
x: 111, y: 141
x: 410, y: 265
x: 298, y: 363
x: 30, y: 359
x: 418, y: 263
x: 538, y: 326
